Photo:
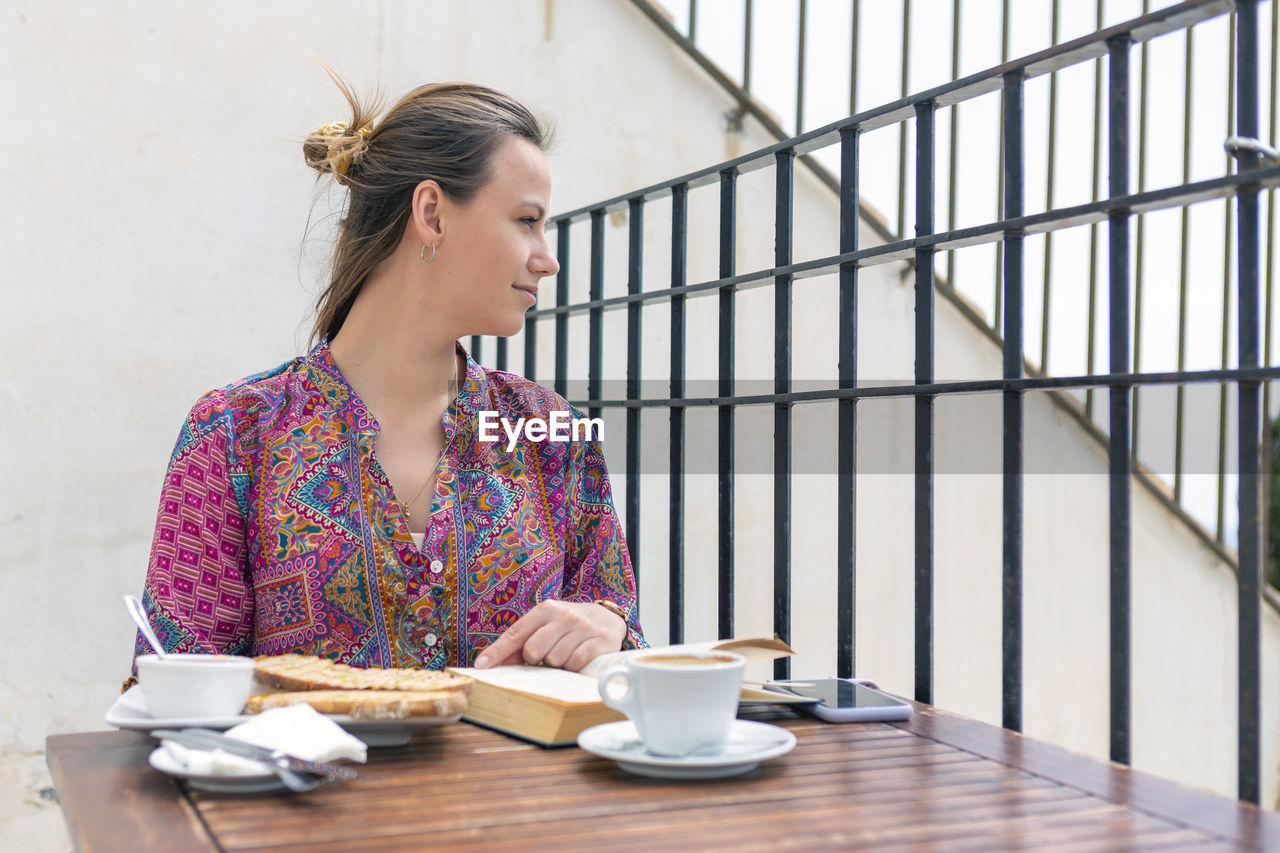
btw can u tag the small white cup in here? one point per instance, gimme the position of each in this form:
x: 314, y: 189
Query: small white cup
x: 679, y: 701
x: 187, y: 685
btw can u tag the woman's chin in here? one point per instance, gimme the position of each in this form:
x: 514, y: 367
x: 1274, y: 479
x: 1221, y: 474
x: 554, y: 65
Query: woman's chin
x: 505, y: 328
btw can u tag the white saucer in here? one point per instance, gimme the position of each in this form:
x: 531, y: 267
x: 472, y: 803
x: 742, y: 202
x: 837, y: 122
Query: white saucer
x: 749, y: 743
x: 244, y: 781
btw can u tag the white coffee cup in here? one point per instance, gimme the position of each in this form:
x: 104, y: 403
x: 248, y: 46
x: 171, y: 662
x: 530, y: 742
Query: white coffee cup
x: 679, y: 701
x: 194, y: 685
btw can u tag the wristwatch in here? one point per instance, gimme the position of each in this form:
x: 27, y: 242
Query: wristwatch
x: 613, y: 608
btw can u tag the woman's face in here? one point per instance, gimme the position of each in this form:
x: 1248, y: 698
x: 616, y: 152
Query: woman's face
x: 494, y: 247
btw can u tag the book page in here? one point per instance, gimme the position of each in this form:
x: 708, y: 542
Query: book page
x: 580, y: 687
x: 559, y: 684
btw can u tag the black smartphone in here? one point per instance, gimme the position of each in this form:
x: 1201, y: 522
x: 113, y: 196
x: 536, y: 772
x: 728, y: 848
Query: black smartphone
x: 844, y: 700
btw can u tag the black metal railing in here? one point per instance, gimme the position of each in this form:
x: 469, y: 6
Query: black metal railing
x: 736, y: 64
x: 1111, y: 48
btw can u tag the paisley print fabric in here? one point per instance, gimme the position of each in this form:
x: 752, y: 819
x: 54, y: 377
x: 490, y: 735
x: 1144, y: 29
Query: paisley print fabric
x: 279, y: 532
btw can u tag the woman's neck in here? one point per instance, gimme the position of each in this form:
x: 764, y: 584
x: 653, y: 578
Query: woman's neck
x: 389, y: 352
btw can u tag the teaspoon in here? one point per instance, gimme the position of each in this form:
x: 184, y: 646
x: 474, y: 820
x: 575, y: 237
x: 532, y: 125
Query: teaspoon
x: 139, y: 614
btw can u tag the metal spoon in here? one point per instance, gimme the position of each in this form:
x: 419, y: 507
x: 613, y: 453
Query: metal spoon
x: 139, y: 614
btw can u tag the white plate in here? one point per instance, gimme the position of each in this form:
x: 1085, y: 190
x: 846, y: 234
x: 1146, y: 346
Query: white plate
x: 229, y: 782
x: 749, y: 743
x: 129, y: 712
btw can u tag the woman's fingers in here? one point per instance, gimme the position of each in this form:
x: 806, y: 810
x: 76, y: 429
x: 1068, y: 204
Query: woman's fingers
x: 509, y: 647
x: 557, y: 633
x: 522, y: 642
x: 560, y: 653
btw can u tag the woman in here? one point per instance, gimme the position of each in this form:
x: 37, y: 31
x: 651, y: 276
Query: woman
x: 344, y: 504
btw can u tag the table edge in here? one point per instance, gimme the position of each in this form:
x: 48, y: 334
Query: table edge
x: 1220, y: 816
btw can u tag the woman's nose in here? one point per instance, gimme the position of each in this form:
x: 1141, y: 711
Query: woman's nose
x: 544, y: 262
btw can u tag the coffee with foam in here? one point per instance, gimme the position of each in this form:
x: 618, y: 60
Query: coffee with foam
x: 686, y: 660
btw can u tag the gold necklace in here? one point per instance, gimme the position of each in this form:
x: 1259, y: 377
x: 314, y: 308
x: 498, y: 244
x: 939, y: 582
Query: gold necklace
x: 457, y: 387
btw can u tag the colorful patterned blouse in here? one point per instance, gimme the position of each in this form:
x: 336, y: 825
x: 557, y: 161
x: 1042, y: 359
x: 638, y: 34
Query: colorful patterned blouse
x: 278, y: 530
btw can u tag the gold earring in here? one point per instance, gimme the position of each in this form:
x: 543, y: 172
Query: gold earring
x: 422, y: 253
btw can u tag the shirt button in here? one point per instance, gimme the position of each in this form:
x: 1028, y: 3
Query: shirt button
x: 436, y: 567
x: 430, y: 640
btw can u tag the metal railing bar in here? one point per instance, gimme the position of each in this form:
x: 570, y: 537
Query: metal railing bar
x: 675, y: 530
x: 1119, y: 459
x: 1095, y: 190
x: 998, y: 302
x: 1274, y: 78
x: 693, y: 20
x: 500, y: 361
x: 746, y: 45
x: 980, y: 83
x: 475, y: 348
x: 1050, y: 158
x: 1012, y: 438
x: 635, y: 269
x: 933, y: 389
x: 800, y: 60
x: 853, y: 58
x: 530, y: 367
x: 1139, y: 274
x: 952, y: 142
x: 595, y: 321
x: 1179, y: 414
x: 924, y: 371
x: 1249, y: 538
x: 902, y: 125
x: 847, y: 415
x: 562, y: 317
x: 783, y: 235
x: 1067, y: 217
x: 725, y: 455
x: 1232, y: 60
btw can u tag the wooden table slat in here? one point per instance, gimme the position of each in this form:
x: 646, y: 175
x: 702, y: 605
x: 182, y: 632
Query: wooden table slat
x: 807, y: 829
x: 529, y: 820
x: 597, y: 794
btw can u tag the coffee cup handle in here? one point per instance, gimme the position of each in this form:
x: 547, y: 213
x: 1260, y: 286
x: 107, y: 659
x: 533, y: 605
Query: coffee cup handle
x: 627, y: 700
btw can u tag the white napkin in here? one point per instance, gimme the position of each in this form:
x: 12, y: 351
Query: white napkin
x: 299, y: 730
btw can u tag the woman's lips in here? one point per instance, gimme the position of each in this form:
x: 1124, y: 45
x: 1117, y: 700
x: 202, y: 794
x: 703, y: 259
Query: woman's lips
x: 531, y: 292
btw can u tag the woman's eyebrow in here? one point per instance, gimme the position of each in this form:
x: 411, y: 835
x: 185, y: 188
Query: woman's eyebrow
x: 542, y: 211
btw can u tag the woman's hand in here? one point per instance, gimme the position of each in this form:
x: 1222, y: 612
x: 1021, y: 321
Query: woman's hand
x: 566, y: 634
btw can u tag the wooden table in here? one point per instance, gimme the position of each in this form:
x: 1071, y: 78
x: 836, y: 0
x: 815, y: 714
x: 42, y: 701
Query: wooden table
x: 937, y: 782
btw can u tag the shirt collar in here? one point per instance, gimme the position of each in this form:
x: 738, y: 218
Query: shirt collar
x: 459, y: 417
x: 329, y: 382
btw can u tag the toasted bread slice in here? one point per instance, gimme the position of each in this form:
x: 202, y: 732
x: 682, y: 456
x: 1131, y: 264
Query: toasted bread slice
x: 367, y: 704
x: 306, y: 672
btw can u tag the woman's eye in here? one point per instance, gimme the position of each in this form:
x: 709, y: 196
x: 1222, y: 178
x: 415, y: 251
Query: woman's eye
x: 530, y: 221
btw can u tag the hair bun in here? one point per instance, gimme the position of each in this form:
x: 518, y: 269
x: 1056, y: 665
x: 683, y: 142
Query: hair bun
x: 334, y: 149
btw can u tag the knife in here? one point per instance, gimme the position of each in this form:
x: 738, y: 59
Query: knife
x: 209, y: 739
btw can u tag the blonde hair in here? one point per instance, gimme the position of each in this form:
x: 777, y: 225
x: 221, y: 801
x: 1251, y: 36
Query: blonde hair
x: 446, y: 132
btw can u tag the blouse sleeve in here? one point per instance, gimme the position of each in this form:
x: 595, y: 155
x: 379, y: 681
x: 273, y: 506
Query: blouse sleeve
x: 598, y: 565
x: 198, y: 593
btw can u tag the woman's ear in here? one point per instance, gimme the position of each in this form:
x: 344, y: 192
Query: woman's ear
x: 426, y: 213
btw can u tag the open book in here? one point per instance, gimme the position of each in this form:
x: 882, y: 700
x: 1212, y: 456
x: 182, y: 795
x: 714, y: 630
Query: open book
x: 552, y: 706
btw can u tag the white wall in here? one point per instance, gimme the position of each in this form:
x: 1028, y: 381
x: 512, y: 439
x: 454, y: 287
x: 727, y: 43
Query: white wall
x: 154, y: 211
